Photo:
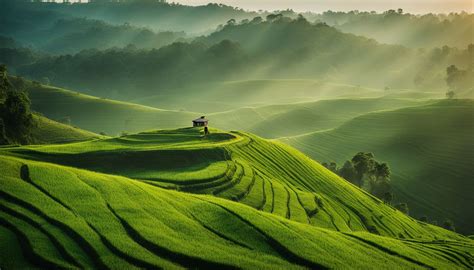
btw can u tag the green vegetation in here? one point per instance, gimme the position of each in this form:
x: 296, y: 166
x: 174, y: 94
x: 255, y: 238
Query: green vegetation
x: 91, y: 214
x: 102, y: 115
x: 16, y: 119
x: 49, y: 131
x: 281, y: 120
x: 429, y: 149
x: 306, y: 51
x: 108, y: 176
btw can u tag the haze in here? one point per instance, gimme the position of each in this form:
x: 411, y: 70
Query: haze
x: 416, y: 6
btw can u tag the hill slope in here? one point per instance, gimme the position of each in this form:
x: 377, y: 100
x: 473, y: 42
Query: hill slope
x: 297, y: 118
x: 240, y: 167
x: 429, y: 148
x: 71, y: 217
x: 103, y: 115
x: 49, y: 131
x: 222, y: 96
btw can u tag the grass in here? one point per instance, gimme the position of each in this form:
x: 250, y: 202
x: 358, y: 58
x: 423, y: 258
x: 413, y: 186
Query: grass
x: 429, y: 148
x: 76, y: 211
x: 49, y: 131
x: 103, y: 115
x: 230, y: 95
x: 251, y: 108
x: 283, y: 120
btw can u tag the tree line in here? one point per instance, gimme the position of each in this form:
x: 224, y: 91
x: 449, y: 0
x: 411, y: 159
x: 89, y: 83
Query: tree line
x: 304, y: 50
x: 16, y: 118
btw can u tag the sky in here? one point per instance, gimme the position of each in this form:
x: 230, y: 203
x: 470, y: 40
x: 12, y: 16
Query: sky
x: 412, y: 6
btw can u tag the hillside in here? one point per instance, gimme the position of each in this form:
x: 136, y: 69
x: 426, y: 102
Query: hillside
x: 49, y: 131
x: 281, y: 120
x: 229, y: 95
x: 429, y: 148
x: 114, y: 213
x: 102, y: 115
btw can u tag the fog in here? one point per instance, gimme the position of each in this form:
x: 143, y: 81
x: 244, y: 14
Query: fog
x: 412, y: 6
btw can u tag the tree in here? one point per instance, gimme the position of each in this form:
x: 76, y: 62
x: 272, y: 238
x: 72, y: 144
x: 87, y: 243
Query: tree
x: 348, y: 171
x: 382, y: 171
x: 4, y: 82
x: 449, y: 225
x: 231, y: 22
x: 257, y: 20
x: 424, y: 219
x: 380, y: 188
x: 402, y: 207
x: 450, y: 94
x: 333, y: 167
x: 388, y: 197
x: 3, y: 135
x: 364, y: 164
x: 274, y: 17
x: 15, y: 114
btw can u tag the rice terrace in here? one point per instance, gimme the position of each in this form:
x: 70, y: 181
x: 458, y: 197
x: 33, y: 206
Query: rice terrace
x: 146, y: 134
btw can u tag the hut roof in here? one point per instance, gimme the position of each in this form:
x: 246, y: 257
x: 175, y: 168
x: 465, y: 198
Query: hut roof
x: 202, y: 119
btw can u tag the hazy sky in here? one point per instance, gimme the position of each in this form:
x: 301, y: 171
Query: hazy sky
x: 412, y: 6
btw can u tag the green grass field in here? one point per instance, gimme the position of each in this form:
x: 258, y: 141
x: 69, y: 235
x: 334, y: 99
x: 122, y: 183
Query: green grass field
x: 176, y: 199
x: 230, y: 95
x: 281, y: 115
x: 430, y: 150
x: 283, y: 120
x: 48, y: 131
x: 103, y: 115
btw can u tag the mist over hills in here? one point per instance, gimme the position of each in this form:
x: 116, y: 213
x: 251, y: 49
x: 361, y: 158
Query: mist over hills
x: 305, y: 51
x: 140, y: 134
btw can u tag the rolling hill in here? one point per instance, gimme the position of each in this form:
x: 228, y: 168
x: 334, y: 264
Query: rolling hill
x: 126, y: 203
x: 229, y: 95
x: 103, y: 115
x: 276, y: 106
x: 429, y: 148
x: 281, y: 120
x: 49, y: 131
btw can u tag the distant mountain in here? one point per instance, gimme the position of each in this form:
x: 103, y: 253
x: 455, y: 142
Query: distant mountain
x: 305, y: 51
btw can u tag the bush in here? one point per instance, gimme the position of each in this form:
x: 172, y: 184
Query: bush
x: 403, y: 207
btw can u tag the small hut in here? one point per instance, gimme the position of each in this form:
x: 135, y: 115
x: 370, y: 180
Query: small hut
x: 200, y: 122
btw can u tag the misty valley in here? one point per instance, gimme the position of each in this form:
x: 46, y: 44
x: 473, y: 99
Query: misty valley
x: 159, y: 135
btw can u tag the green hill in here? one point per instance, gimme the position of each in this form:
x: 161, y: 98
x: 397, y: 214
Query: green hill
x: 429, y: 148
x: 222, y: 96
x: 103, y: 115
x: 49, y: 131
x: 103, y: 207
x: 298, y: 118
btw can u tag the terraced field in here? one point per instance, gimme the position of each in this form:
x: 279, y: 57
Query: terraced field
x: 176, y: 199
x: 429, y: 148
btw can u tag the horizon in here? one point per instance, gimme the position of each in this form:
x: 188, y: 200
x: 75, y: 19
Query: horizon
x: 415, y: 7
